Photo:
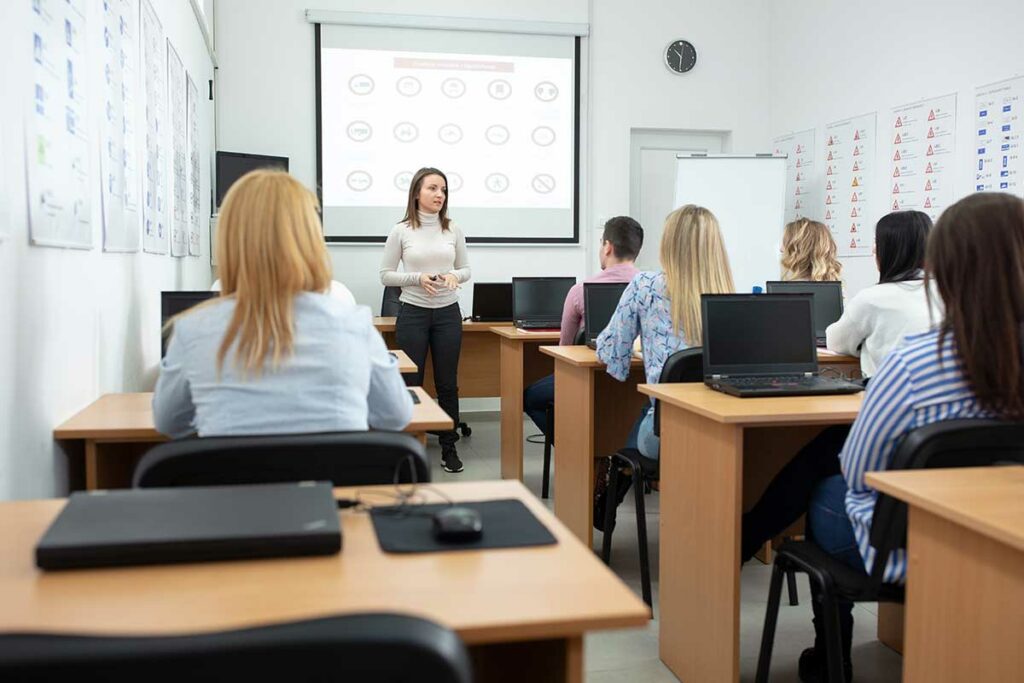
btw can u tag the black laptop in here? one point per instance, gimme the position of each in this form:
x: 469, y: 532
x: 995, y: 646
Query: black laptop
x: 492, y: 302
x: 828, y: 301
x: 537, y: 302
x: 758, y: 345
x: 600, y: 300
x: 191, y: 524
x: 173, y: 303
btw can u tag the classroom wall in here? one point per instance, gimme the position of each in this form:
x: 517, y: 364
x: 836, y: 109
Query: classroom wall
x: 75, y: 324
x: 831, y: 60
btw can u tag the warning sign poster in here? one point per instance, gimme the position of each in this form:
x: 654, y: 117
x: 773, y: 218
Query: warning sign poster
x: 801, y: 181
x: 849, y: 173
x: 922, y: 140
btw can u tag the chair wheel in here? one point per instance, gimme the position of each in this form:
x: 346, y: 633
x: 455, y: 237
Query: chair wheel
x: 466, y: 430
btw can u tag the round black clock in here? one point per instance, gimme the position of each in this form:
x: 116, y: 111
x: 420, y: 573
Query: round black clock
x: 680, y: 56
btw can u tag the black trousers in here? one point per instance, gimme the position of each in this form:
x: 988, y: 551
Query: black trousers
x: 439, y: 330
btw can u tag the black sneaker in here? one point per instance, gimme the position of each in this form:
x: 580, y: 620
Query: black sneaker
x: 811, y: 668
x: 450, y: 461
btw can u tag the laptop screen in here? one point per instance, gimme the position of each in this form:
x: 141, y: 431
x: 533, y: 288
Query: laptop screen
x: 755, y: 334
x: 540, y: 298
x: 492, y: 301
x: 173, y: 303
x: 599, y: 302
x: 828, y: 300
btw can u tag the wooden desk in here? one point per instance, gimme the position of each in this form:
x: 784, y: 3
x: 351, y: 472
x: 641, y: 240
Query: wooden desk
x: 522, y: 364
x: 522, y: 611
x: 965, y: 578
x: 116, y: 430
x: 479, y: 366
x: 405, y: 364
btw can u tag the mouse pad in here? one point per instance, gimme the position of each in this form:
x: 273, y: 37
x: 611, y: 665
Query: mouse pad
x: 507, y: 523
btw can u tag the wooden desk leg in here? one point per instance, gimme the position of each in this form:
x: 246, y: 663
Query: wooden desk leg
x: 701, y: 480
x: 538, y: 661
x: 511, y: 409
x: 110, y: 465
x: 92, y: 466
x: 574, y: 453
x: 890, y: 625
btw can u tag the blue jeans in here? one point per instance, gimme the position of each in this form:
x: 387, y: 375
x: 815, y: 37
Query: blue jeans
x: 536, y: 399
x: 647, y: 442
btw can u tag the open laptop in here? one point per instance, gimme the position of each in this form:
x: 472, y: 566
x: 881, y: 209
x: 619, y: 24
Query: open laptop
x: 828, y: 301
x: 599, y: 302
x: 757, y: 345
x: 173, y: 303
x: 537, y: 302
x: 492, y: 302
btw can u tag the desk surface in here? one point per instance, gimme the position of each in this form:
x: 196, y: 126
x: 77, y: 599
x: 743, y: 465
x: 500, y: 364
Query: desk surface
x: 486, y: 596
x: 794, y: 410
x: 130, y: 416
x: 580, y: 356
x: 387, y: 324
x: 510, y: 332
x: 987, y: 500
x: 405, y: 364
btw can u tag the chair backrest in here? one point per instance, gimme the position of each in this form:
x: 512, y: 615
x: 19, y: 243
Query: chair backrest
x: 581, y: 337
x: 681, y: 367
x: 361, y: 647
x: 390, y: 305
x: 951, y: 443
x: 343, y: 458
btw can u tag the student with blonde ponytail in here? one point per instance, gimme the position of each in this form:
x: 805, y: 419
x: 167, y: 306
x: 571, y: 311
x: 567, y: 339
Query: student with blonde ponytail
x: 275, y: 353
x: 809, y: 252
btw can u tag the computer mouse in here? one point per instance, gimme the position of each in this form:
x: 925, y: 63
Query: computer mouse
x: 457, y: 525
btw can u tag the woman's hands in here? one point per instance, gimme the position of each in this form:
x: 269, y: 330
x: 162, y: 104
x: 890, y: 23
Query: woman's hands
x: 450, y: 281
x: 434, y: 283
x: 428, y: 282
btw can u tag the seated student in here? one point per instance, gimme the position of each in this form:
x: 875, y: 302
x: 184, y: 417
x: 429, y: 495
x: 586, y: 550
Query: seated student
x: 663, y: 308
x: 620, y: 245
x: 275, y: 354
x: 809, y: 252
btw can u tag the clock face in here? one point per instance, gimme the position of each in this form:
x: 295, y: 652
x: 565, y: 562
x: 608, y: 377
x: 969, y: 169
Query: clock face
x: 680, y: 56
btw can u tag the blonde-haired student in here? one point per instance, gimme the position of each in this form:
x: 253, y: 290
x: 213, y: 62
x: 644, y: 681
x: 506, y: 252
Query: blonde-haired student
x: 276, y: 353
x: 809, y: 252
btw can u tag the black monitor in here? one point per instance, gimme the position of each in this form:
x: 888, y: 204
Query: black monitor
x: 173, y: 303
x: 492, y: 301
x: 600, y: 300
x: 755, y: 334
x: 233, y: 165
x: 828, y: 301
x: 538, y: 301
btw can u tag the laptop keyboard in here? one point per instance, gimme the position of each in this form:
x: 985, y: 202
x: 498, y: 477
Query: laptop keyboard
x: 777, y: 381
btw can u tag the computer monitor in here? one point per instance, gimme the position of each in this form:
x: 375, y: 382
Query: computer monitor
x: 173, y: 303
x: 828, y: 301
x: 492, y: 301
x: 755, y: 334
x: 538, y: 301
x: 233, y: 165
x: 599, y: 302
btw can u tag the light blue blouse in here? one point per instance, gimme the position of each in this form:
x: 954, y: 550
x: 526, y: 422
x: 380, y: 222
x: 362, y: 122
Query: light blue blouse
x: 340, y: 377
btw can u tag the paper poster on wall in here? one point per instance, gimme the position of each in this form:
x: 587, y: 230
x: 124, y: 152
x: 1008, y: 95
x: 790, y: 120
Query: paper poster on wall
x: 56, y: 127
x: 5, y: 214
x: 802, y: 184
x: 922, y: 141
x: 194, y: 195
x: 999, y: 162
x: 154, y: 198
x: 849, y: 170
x: 119, y: 180
x: 179, y: 152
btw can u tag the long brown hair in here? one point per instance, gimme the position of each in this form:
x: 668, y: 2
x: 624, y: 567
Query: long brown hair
x: 412, y: 205
x: 976, y: 258
x: 809, y: 252
x: 270, y: 247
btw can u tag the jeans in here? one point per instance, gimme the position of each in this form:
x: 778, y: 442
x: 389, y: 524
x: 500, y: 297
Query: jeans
x: 438, y: 330
x: 647, y: 442
x: 536, y: 399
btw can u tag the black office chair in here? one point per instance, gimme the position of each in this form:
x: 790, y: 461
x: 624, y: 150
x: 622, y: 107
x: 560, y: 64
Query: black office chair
x: 343, y: 458
x: 390, y: 304
x: 549, y: 436
x: 360, y: 647
x: 954, y: 443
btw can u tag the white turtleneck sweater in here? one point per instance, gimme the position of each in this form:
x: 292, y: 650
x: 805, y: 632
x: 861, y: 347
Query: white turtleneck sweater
x: 426, y: 249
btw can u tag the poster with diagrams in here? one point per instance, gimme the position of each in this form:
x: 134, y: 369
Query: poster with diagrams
x: 998, y: 162
x: 923, y: 140
x: 118, y: 163
x: 179, y: 152
x: 194, y: 194
x: 154, y: 188
x: 849, y: 161
x: 5, y: 213
x: 801, y: 183
x: 56, y: 127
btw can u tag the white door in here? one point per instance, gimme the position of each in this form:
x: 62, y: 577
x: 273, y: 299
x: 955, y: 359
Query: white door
x: 652, y: 179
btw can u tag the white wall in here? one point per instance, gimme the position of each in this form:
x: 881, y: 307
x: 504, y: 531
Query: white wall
x: 75, y: 324
x: 833, y: 60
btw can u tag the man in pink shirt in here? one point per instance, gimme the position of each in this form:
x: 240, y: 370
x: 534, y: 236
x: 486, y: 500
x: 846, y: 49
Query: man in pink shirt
x: 620, y: 245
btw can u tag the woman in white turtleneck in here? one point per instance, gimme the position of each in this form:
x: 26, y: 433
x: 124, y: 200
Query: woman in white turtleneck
x: 432, y: 250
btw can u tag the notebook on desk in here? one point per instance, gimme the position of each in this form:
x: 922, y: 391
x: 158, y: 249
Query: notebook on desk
x: 492, y: 302
x: 600, y: 299
x: 537, y: 302
x: 173, y: 303
x: 828, y: 301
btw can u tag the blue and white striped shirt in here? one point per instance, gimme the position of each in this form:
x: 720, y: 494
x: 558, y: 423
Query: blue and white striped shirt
x: 918, y: 384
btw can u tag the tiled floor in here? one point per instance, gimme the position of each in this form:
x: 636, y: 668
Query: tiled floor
x: 633, y: 655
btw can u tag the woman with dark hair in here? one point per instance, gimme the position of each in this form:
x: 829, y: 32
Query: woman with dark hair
x: 432, y: 250
x: 881, y: 316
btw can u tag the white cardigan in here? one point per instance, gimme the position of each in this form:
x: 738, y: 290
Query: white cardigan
x: 878, y: 319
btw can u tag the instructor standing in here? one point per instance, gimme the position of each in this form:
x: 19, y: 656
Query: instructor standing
x: 432, y: 250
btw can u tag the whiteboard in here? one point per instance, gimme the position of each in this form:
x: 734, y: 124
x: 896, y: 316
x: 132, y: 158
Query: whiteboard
x: 748, y: 196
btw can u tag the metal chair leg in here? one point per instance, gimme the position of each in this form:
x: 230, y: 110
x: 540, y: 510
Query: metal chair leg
x: 548, y: 439
x: 609, y: 512
x: 641, y: 536
x: 791, y: 587
x: 833, y: 637
x: 771, y: 617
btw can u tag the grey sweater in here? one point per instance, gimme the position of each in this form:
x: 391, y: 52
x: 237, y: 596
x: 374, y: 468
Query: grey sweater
x: 426, y: 249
